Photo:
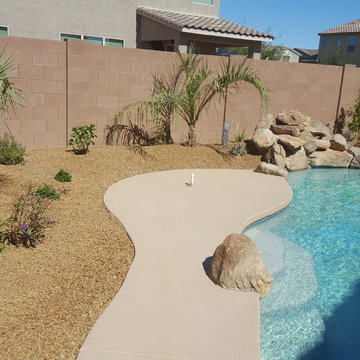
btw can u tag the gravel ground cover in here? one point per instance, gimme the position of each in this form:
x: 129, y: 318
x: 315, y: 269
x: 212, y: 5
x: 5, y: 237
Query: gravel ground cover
x: 51, y: 296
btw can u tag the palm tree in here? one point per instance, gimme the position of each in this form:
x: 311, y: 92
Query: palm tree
x: 10, y: 94
x: 186, y: 93
x: 201, y: 86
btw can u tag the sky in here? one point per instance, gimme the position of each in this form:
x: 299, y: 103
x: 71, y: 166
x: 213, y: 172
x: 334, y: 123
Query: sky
x: 294, y: 24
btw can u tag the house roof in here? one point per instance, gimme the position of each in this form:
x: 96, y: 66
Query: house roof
x: 205, y: 25
x: 351, y: 27
x: 308, y: 52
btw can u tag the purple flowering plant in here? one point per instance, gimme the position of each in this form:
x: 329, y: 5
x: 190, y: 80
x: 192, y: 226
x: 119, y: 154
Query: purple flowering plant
x: 27, y: 222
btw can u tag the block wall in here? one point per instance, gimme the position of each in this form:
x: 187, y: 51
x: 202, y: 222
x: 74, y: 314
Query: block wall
x: 77, y: 83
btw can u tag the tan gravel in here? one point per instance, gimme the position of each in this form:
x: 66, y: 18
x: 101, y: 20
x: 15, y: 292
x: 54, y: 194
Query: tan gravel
x: 51, y: 296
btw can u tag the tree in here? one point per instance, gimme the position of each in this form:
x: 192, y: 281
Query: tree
x: 201, y: 86
x: 185, y: 94
x: 268, y: 51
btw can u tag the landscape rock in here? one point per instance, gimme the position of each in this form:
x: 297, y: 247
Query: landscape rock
x: 275, y: 155
x: 310, y: 145
x: 266, y: 122
x: 293, y: 117
x: 330, y: 158
x: 237, y: 264
x: 355, y: 163
x: 319, y: 129
x: 338, y: 142
x: 290, y: 142
x: 271, y: 169
x: 322, y: 144
x: 297, y: 161
x: 286, y: 129
x: 263, y: 139
x: 355, y: 151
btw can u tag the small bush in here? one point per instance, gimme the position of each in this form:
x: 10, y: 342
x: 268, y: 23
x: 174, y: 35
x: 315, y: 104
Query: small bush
x: 63, y: 176
x: 354, y: 125
x: 47, y: 192
x: 81, y: 138
x: 28, y: 221
x: 11, y: 152
x: 238, y: 149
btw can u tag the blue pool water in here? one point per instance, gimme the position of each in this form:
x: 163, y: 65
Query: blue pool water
x: 312, y: 249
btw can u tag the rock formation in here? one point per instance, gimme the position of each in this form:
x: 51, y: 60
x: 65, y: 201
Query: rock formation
x: 237, y: 264
x: 293, y: 141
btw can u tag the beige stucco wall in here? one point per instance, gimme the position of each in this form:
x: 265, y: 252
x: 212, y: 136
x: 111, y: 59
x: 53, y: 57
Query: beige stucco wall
x: 332, y: 50
x: 46, y: 19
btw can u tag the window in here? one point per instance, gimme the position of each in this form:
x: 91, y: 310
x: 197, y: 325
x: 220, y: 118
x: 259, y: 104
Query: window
x: 206, y: 2
x: 95, y: 40
x: 351, y: 44
x: 4, y: 31
x: 286, y: 58
x: 324, y: 42
x: 338, y: 42
x: 114, y: 42
x: 69, y: 36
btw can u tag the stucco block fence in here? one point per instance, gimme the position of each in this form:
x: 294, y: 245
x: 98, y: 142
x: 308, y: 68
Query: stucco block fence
x: 73, y: 83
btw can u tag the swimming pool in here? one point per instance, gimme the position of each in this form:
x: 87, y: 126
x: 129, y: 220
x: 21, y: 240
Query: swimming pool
x: 312, y: 249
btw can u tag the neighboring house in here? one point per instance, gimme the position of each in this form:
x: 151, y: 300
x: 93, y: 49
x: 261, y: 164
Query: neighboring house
x: 290, y: 55
x: 340, y: 45
x: 148, y: 24
x: 307, y: 55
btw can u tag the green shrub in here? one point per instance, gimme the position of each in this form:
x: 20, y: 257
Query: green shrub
x: 354, y: 126
x: 11, y: 152
x: 63, y: 176
x: 28, y: 221
x: 47, y: 192
x: 81, y: 138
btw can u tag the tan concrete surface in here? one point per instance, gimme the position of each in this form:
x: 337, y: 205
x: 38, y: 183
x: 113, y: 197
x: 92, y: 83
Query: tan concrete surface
x: 167, y: 307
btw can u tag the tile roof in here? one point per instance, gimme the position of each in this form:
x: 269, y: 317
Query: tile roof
x: 308, y: 52
x: 351, y: 27
x: 217, y: 25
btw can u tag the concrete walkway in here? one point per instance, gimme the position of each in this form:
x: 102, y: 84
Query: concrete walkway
x: 167, y: 307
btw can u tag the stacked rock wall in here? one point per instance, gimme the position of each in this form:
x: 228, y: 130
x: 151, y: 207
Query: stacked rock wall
x: 293, y: 141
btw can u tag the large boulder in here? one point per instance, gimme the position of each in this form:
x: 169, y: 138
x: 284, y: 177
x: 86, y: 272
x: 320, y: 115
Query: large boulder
x: 286, y: 129
x: 297, y: 160
x: 263, y: 139
x: 338, y: 143
x: 330, y: 158
x: 237, y: 264
x: 355, y: 162
x: 317, y: 128
x: 293, y: 117
x: 322, y: 144
x: 265, y: 122
x: 310, y: 144
x: 290, y: 143
x: 275, y: 155
x: 271, y: 169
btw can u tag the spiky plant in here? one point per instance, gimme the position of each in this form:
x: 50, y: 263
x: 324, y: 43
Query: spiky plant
x: 10, y: 94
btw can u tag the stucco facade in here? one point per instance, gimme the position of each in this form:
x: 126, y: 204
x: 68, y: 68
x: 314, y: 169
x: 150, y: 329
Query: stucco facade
x: 115, y: 19
x: 339, y: 49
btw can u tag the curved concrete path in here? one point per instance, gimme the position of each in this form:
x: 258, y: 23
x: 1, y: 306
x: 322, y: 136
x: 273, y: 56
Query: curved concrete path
x: 167, y: 307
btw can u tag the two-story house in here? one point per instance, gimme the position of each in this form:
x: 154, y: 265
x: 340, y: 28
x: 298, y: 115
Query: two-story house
x: 340, y: 45
x: 149, y: 24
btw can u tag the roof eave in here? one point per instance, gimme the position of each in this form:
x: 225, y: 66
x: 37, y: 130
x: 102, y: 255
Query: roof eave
x: 226, y: 35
